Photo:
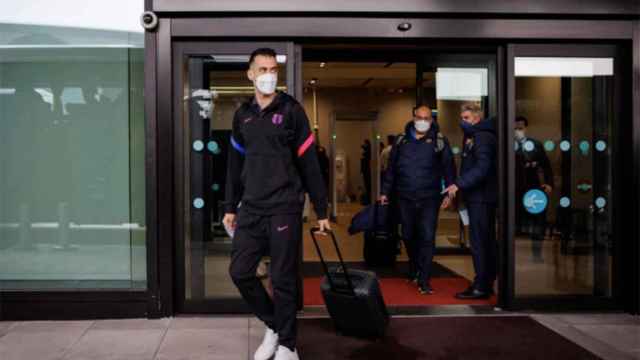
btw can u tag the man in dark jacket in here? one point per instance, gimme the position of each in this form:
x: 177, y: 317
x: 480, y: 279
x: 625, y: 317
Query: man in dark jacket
x: 533, y: 171
x: 478, y: 182
x: 272, y: 163
x: 420, y: 162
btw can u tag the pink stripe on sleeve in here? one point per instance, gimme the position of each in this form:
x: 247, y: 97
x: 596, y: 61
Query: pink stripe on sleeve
x: 305, y: 146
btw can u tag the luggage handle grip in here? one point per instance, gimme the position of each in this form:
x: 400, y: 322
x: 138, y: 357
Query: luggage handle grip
x: 316, y: 230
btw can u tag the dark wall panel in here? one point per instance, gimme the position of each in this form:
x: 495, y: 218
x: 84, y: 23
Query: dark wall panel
x: 576, y: 7
x: 226, y: 27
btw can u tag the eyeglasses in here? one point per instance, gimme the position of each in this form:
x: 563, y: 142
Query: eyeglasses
x: 423, y: 118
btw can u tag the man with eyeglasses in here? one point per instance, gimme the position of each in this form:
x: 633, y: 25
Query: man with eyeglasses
x: 420, y: 163
x: 272, y: 163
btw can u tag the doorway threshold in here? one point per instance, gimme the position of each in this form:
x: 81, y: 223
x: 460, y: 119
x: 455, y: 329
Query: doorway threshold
x: 430, y: 310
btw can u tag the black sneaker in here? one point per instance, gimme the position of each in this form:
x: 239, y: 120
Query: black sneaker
x: 473, y: 294
x: 413, y: 277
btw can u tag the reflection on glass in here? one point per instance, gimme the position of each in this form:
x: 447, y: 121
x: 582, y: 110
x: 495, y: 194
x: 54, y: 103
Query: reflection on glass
x: 565, y: 249
x: 216, y: 86
x: 72, y: 186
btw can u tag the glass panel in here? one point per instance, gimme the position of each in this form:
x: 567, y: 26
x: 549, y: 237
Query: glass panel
x: 217, y: 86
x: 563, y: 176
x: 445, y: 89
x: 72, y: 185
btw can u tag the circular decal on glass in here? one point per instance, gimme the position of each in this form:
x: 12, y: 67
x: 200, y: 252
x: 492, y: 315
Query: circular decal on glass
x: 565, y: 145
x: 584, y: 147
x: 215, y: 187
x: 601, y: 202
x: 455, y: 150
x: 601, y: 145
x: 213, y: 147
x: 198, y: 145
x: 528, y: 145
x: 565, y: 202
x: 549, y: 145
x: 535, y: 201
x: 198, y: 203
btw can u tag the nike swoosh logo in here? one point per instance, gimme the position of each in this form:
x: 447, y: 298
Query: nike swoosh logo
x: 283, y: 228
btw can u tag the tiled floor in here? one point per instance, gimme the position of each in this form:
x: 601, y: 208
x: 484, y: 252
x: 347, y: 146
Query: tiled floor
x: 611, y: 336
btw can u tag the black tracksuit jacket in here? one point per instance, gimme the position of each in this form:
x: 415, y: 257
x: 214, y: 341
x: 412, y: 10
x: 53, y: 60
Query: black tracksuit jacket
x: 273, y: 160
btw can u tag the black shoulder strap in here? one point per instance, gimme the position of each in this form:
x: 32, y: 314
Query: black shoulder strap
x: 290, y: 125
x: 440, y: 142
x: 242, y: 110
x: 286, y: 110
x: 400, y: 139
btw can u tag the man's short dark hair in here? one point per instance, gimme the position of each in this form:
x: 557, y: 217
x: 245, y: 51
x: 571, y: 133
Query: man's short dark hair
x: 419, y: 106
x: 523, y: 119
x: 268, y: 52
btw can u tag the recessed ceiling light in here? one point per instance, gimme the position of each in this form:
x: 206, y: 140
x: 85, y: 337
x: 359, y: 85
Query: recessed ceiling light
x: 323, y: 64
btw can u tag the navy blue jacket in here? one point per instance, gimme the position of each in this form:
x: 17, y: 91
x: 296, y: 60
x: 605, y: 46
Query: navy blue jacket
x: 478, y: 179
x: 417, y: 170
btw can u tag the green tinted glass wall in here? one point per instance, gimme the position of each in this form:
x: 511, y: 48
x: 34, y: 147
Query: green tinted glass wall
x: 72, y: 186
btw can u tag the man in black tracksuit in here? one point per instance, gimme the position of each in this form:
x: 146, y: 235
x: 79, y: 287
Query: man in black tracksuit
x: 420, y: 162
x: 272, y: 163
x: 478, y: 182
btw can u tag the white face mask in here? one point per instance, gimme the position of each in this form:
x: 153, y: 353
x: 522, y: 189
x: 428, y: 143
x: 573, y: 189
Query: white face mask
x: 266, y: 83
x: 519, y: 135
x: 422, y: 126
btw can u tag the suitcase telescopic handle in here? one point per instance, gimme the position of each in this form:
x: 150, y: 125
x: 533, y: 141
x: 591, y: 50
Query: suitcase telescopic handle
x: 316, y: 231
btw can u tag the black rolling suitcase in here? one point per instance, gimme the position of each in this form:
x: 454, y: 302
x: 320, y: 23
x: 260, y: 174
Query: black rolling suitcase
x: 353, y: 297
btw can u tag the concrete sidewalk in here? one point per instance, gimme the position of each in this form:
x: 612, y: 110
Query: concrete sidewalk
x: 610, y: 336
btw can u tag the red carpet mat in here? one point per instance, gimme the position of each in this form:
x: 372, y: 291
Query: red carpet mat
x: 398, y: 291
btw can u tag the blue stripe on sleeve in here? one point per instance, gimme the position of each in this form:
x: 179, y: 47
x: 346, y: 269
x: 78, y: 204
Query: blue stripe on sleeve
x: 237, y: 146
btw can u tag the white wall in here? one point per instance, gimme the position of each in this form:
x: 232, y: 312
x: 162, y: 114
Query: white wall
x: 120, y: 15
